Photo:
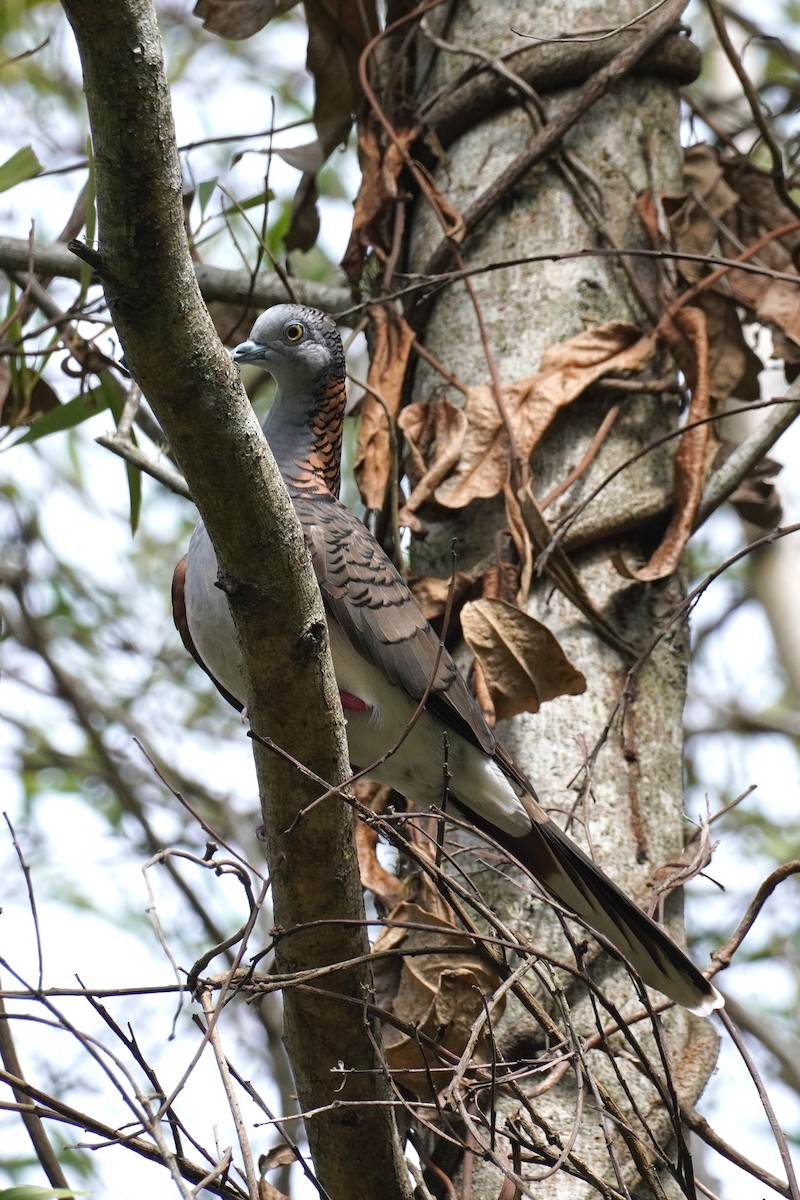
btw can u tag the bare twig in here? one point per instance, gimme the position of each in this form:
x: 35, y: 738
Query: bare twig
x: 31, y: 1117
x: 211, y: 1012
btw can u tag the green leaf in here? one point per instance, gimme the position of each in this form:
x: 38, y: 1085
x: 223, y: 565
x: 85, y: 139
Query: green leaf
x: 67, y: 416
x: 28, y: 1192
x: 134, y: 494
x: 116, y: 402
x: 205, y: 191
x: 21, y: 166
x: 250, y: 202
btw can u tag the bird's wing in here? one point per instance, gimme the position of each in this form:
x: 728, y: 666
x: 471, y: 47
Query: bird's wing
x: 366, y: 596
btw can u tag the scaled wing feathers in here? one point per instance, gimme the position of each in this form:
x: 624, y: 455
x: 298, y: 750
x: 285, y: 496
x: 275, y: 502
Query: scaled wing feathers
x: 367, y: 597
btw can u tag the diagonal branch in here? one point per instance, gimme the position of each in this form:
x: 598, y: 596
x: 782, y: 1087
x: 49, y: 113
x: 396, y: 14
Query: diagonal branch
x: 215, y: 283
x: 174, y: 355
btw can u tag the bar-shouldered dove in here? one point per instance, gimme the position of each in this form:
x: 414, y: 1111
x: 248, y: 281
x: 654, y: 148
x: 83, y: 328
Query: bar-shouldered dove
x: 386, y: 656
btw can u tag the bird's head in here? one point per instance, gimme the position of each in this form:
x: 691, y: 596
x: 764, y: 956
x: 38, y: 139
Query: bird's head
x: 298, y: 346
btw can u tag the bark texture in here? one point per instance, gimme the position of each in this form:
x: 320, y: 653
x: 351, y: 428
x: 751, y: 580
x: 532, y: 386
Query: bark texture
x: 175, y: 356
x: 631, y: 816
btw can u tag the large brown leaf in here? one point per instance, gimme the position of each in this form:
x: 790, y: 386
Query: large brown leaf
x: 532, y: 403
x: 440, y: 992
x: 522, y: 663
x: 238, y: 19
x: 434, y: 431
x: 690, y: 462
x: 731, y: 207
x: 391, y: 342
x: 380, y: 170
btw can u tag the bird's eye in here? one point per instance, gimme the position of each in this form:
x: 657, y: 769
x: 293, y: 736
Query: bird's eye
x: 294, y: 333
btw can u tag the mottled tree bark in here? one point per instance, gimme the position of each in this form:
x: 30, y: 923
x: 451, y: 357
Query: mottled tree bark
x: 632, y: 815
x: 177, y: 359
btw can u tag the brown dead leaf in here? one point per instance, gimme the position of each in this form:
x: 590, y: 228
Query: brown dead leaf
x: 522, y: 662
x: 756, y: 499
x: 375, y: 878
x: 238, y: 19
x: 431, y: 592
x: 304, y: 223
x: 268, y: 1191
x: 391, y: 341
x: 338, y: 31
x: 733, y: 366
x: 731, y: 207
x: 439, y: 992
x: 434, y: 431
x: 17, y: 408
x: 279, y: 1156
x: 381, y: 165
x: 689, y: 470
x: 521, y: 537
x: 532, y: 403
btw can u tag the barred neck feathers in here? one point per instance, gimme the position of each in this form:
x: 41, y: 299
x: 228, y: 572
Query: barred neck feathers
x: 314, y: 466
x: 301, y: 348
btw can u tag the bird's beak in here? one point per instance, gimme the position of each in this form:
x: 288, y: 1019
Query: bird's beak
x: 247, y: 352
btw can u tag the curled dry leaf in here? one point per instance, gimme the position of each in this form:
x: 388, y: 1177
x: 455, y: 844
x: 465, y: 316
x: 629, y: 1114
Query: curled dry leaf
x: 522, y: 663
x: 279, y: 1156
x: 432, y: 592
x: 434, y: 431
x: 374, y: 206
x: 374, y: 877
x: 238, y: 19
x: 439, y: 992
x: 391, y: 342
x: 338, y: 32
x: 756, y: 499
x: 304, y: 224
x: 267, y: 1191
x: 732, y: 205
x: 532, y: 403
x: 521, y: 537
x: 690, y: 462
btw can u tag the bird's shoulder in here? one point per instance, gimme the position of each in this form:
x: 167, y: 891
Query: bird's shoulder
x: 366, y: 595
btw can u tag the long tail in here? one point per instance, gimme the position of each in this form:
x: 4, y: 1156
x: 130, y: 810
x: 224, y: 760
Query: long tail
x: 577, y: 883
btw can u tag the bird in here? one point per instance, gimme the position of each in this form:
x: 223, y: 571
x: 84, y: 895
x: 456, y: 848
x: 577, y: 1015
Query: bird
x: 388, y: 659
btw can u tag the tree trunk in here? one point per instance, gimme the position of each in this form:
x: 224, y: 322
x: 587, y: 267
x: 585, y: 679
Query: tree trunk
x: 627, y: 807
x: 175, y: 355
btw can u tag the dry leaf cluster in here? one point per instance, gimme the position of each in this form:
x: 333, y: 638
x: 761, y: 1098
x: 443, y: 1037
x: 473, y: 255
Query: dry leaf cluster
x: 430, y: 978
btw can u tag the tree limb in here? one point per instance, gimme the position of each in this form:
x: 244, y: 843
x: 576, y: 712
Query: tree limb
x: 174, y: 354
x: 215, y: 283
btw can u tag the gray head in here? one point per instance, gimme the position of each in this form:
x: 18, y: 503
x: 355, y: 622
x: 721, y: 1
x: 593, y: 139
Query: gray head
x: 299, y: 346
x: 302, y: 350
